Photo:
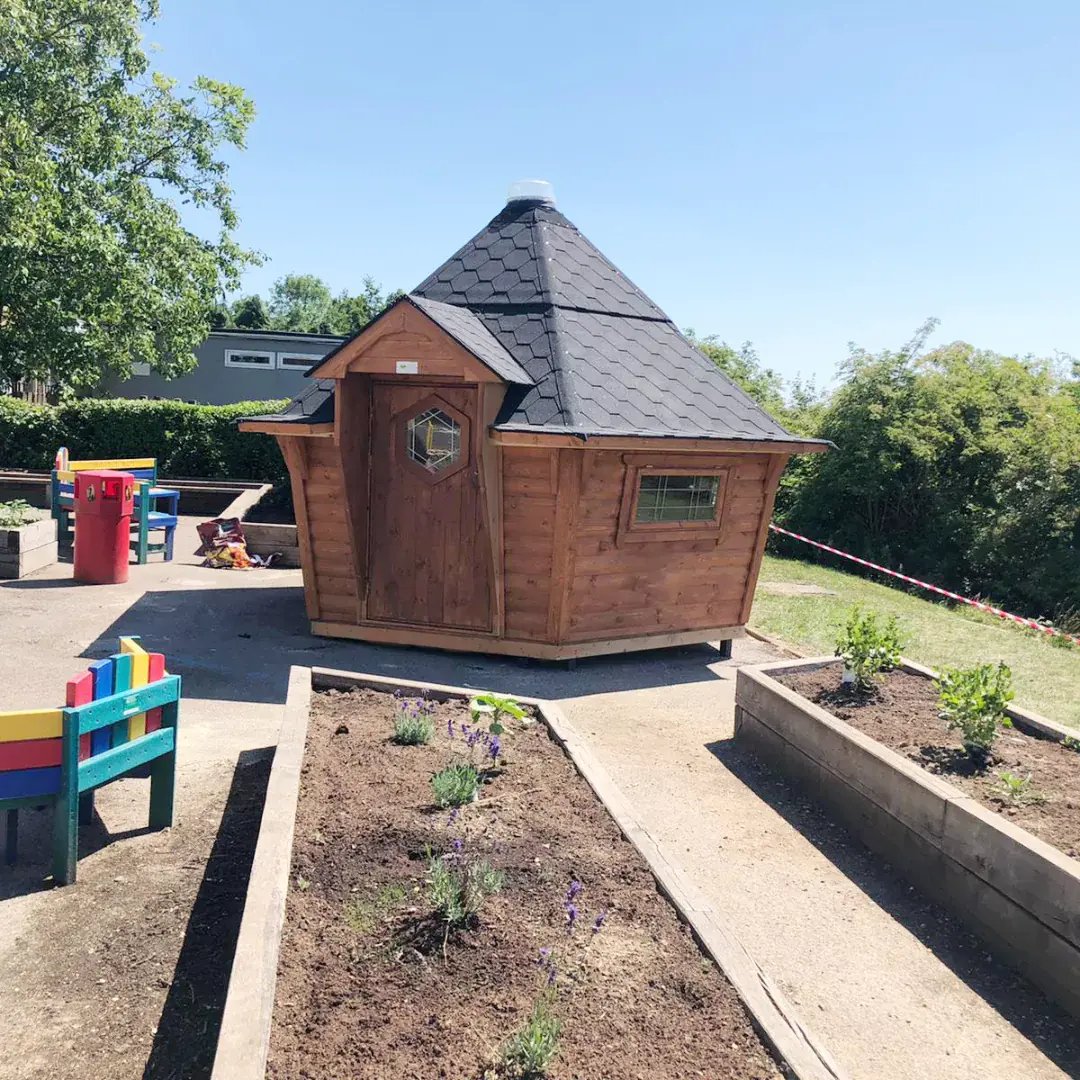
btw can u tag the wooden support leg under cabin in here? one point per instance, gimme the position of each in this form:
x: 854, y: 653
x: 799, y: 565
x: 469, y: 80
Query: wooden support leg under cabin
x: 725, y: 649
x: 11, y: 839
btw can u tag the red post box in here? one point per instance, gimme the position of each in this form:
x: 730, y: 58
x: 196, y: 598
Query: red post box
x: 104, y: 503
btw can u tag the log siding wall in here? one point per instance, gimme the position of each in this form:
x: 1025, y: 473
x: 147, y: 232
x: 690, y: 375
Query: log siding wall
x: 666, y: 585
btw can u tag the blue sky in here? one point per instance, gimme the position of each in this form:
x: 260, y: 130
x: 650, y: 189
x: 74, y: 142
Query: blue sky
x: 799, y: 174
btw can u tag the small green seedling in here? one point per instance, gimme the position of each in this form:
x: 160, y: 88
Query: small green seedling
x: 16, y: 513
x: 973, y: 701
x: 456, y: 785
x: 1071, y: 743
x: 363, y: 914
x: 1018, y: 789
x: 867, y: 648
x: 492, y: 708
x: 529, y: 1051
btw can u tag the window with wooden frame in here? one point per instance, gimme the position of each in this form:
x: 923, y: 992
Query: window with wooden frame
x: 665, y: 502
x: 433, y: 439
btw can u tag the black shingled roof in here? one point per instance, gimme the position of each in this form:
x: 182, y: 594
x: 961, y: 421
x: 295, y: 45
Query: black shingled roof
x: 586, y: 352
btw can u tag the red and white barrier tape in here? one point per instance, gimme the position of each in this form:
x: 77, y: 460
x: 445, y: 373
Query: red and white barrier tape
x: 1030, y: 623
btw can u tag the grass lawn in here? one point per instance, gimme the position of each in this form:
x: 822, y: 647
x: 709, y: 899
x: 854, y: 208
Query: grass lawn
x: 1047, y: 678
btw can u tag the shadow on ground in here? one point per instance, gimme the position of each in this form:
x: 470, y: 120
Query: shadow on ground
x: 187, y: 1032
x: 1050, y: 1028
x: 32, y: 870
x: 237, y: 645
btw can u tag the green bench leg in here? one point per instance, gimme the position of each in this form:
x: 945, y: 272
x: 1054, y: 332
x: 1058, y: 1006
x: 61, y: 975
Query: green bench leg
x: 162, y: 791
x: 65, y: 839
x: 11, y: 841
x: 163, y: 773
x: 66, y: 807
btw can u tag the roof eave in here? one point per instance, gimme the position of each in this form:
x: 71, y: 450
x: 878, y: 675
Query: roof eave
x: 509, y: 434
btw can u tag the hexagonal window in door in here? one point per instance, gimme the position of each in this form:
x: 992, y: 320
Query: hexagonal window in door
x: 433, y: 440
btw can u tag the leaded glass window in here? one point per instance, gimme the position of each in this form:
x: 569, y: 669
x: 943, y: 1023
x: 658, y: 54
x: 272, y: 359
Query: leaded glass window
x: 434, y: 440
x: 676, y: 498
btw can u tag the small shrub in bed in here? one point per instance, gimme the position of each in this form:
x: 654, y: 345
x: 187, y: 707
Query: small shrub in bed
x: 1018, y: 789
x: 528, y: 1052
x: 867, y: 648
x: 413, y: 723
x: 456, y: 785
x: 459, y: 885
x: 973, y: 701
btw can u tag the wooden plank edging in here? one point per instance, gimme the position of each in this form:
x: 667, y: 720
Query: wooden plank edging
x: 244, y: 1040
x: 1018, y: 892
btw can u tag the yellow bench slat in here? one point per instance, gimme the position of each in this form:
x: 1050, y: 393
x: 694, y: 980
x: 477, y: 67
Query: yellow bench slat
x: 21, y: 724
x: 119, y: 464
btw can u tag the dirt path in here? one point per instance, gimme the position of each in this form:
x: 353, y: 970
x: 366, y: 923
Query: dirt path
x: 889, y: 983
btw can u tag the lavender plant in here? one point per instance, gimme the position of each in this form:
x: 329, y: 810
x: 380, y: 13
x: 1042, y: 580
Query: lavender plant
x: 529, y: 1052
x: 458, y: 885
x: 413, y: 722
x: 456, y: 785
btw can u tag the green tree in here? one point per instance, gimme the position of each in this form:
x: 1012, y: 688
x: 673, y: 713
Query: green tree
x: 97, y: 267
x: 348, y: 314
x: 300, y: 302
x: 250, y: 313
x: 959, y: 464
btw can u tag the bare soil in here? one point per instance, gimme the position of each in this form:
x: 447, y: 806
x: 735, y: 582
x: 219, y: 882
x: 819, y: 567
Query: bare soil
x: 125, y: 974
x: 379, y: 995
x: 903, y: 714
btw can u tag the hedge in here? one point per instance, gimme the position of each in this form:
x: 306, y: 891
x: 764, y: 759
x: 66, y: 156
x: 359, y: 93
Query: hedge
x: 200, y: 441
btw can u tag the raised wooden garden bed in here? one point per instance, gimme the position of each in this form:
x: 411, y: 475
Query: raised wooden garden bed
x: 893, y: 773
x: 368, y: 983
x: 27, y: 548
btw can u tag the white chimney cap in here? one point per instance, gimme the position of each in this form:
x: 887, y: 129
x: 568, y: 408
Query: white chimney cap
x: 531, y: 191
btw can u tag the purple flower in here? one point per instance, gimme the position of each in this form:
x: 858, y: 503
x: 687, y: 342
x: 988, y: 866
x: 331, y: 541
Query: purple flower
x: 571, y: 916
x: 598, y: 922
x: 552, y: 975
x: 450, y: 727
x: 494, y: 748
x: 574, y: 891
x: 453, y: 816
x: 545, y: 956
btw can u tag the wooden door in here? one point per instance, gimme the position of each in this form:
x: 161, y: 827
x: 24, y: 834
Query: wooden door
x: 429, y: 555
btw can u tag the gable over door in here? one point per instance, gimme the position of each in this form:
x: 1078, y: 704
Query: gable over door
x: 429, y: 555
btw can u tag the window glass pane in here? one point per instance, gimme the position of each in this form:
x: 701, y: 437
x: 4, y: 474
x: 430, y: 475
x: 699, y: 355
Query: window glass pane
x: 677, y: 498
x: 434, y: 440
x: 244, y: 359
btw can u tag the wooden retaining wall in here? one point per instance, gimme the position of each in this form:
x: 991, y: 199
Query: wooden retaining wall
x: 1020, y: 894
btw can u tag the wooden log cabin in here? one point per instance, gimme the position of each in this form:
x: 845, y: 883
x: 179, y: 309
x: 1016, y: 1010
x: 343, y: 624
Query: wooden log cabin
x: 525, y: 456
